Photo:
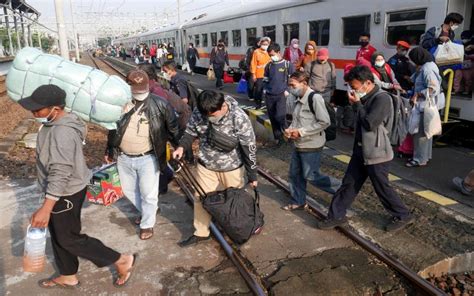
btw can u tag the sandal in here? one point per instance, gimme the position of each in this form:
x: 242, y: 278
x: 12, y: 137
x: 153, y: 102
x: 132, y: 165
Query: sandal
x: 138, y: 220
x: 292, y: 207
x: 146, y: 233
x: 52, y: 284
x: 413, y: 164
x: 129, y: 271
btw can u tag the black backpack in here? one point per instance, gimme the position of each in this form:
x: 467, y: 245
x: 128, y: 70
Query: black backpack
x: 193, y: 93
x: 331, y: 130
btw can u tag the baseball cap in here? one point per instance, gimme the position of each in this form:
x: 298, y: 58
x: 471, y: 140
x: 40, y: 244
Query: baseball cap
x: 138, y: 81
x: 44, y: 96
x: 403, y: 44
x: 323, y: 53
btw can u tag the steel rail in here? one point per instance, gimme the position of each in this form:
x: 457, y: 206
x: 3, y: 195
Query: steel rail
x: 375, y: 250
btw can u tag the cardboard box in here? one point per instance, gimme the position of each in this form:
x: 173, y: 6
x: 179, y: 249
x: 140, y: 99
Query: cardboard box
x: 105, y: 188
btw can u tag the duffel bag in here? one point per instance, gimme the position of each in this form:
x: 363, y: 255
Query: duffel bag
x: 236, y: 211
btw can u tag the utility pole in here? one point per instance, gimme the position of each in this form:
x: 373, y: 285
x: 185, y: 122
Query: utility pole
x: 58, y: 5
x: 76, y: 40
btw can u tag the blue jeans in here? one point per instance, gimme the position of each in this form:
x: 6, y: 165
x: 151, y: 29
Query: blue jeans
x: 140, y: 179
x: 304, y: 167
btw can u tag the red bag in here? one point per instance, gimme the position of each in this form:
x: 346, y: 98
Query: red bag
x: 407, y: 146
x: 228, y: 78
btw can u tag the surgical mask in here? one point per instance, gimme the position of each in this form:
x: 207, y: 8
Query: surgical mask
x: 214, y: 119
x: 296, y: 45
x: 454, y: 27
x: 264, y: 47
x: 166, y: 76
x: 140, y: 97
x: 403, y: 52
x: 275, y: 58
x: 44, y: 120
x: 360, y: 94
x: 364, y: 43
x: 297, y: 92
x: 379, y: 63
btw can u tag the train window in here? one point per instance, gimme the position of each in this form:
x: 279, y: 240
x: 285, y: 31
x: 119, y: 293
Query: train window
x: 270, y: 31
x: 204, y: 40
x: 190, y: 38
x: 405, y: 25
x: 236, y: 38
x: 290, y: 31
x: 214, y: 38
x: 225, y: 37
x: 319, y: 32
x: 251, y: 36
x: 352, y: 27
x: 196, y: 40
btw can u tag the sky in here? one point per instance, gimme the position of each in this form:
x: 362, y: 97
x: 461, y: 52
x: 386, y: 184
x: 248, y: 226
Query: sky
x: 98, y: 18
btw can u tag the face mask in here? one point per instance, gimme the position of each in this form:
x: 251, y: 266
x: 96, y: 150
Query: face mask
x: 403, y: 53
x: 454, y: 27
x: 379, y: 63
x: 364, y: 43
x: 275, y: 58
x: 140, y: 97
x: 214, y: 119
x: 296, y: 45
x: 44, y: 120
x: 166, y: 76
x: 297, y: 92
x: 264, y: 47
x: 359, y: 93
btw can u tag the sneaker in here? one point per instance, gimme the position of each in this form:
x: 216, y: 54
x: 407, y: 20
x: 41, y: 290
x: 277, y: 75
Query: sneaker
x: 459, y: 183
x: 331, y: 223
x: 192, y: 240
x: 397, y: 223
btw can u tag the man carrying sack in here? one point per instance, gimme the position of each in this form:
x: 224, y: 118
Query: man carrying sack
x: 227, y: 145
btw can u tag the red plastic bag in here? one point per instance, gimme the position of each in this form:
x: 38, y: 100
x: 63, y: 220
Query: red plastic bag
x: 228, y: 78
x: 407, y: 146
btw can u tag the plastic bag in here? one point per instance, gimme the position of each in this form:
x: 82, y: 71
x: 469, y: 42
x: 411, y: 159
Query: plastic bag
x: 242, y: 86
x: 449, y: 53
x: 431, y: 119
x: 90, y: 93
x: 137, y: 61
x: 210, y: 74
x: 414, y: 121
x: 228, y: 78
x: 186, y: 67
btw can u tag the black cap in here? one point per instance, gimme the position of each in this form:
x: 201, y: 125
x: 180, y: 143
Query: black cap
x: 44, y: 96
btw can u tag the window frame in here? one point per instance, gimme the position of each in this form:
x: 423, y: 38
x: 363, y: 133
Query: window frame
x: 247, y: 36
x: 264, y: 35
x: 343, y: 32
x: 402, y: 23
x: 197, y: 40
x: 233, y: 38
x: 213, y: 40
x: 205, y: 37
x: 284, y: 33
x: 329, y: 29
x: 226, y: 38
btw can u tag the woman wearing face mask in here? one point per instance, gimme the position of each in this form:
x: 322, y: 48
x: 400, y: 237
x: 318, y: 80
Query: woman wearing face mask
x: 427, y: 84
x: 310, y: 55
x: 443, y: 33
x: 219, y: 59
x: 260, y: 59
x: 383, y: 74
x: 293, y: 52
x: 307, y: 132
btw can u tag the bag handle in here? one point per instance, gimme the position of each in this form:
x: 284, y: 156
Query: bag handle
x: 192, y: 180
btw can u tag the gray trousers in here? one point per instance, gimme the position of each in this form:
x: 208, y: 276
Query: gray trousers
x: 422, y: 146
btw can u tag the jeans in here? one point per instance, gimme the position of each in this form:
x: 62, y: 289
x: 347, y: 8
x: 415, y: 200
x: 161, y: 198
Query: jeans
x: 219, y: 72
x: 304, y: 167
x: 355, y: 176
x: 276, y: 107
x: 422, y: 146
x: 140, y: 179
x: 258, y: 90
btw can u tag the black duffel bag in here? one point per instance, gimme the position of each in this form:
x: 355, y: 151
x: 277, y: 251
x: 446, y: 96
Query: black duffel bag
x: 236, y: 211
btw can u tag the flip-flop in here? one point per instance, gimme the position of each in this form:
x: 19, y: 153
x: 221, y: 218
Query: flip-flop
x: 413, y: 164
x: 135, y: 257
x: 57, y: 285
x: 292, y: 207
x: 145, y: 231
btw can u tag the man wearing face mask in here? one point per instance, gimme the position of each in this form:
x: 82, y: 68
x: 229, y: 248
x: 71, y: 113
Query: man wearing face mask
x: 371, y: 154
x: 219, y: 59
x: 275, y: 88
x: 227, y: 150
x: 322, y: 75
x: 366, y: 50
x: 443, y: 33
x: 63, y: 176
x: 401, y: 65
x: 139, y: 143
x: 260, y: 59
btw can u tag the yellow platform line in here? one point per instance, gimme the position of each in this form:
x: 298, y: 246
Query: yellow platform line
x: 435, y: 197
x: 268, y: 124
x: 343, y: 158
x: 393, y: 178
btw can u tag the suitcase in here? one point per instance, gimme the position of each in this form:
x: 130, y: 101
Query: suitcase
x: 235, y: 210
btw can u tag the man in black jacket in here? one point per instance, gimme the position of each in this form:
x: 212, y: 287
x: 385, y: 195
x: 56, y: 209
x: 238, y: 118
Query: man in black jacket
x: 371, y: 154
x: 140, y: 142
x: 443, y: 33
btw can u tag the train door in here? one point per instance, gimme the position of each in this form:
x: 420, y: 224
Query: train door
x: 179, y: 45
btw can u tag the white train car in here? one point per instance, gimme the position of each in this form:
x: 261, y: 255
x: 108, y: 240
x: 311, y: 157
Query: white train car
x: 335, y: 24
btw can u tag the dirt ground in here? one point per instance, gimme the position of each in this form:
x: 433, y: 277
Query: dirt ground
x: 12, y: 114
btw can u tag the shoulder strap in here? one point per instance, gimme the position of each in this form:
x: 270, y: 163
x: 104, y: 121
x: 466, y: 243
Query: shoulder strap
x: 311, y: 102
x: 312, y: 67
x: 332, y: 67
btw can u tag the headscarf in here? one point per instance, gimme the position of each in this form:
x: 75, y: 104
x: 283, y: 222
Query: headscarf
x: 381, y: 70
x: 420, y: 56
x: 306, y: 58
x: 294, y: 52
x: 363, y: 62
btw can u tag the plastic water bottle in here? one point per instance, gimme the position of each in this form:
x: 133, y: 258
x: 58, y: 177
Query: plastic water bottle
x: 34, y: 256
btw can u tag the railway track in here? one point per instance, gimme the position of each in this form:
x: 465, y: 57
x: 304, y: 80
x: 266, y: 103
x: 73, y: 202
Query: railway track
x: 251, y: 277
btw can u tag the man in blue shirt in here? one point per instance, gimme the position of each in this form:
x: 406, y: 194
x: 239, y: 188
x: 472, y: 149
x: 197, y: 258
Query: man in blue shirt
x: 275, y: 88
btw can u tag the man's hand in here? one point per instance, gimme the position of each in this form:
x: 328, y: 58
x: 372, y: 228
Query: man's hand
x: 178, y: 153
x: 40, y: 218
x: 352, y: 97
x: 414, y: 98
x: 185, y: 100
x: 254, y: 184
x: 108, y: 159
x: 286, y: 93
x: 292, y: 133
x: 254, y: 78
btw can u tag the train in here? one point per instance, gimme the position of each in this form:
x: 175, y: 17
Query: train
x: 334, y: 24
